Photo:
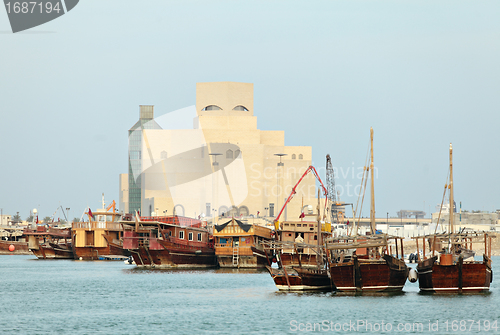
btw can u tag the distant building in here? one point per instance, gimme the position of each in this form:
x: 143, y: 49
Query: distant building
x: 405, y: 213
x: 5, y: 220
x: 224, y: 165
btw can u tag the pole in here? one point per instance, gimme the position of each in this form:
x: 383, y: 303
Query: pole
x: 452, y: 201
x: 372, y: 210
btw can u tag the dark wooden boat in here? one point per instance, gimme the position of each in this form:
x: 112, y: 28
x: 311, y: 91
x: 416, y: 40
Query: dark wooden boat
x: 365, y: 264
x: 13, y: 238
x: 50, y: 243
x: 299, y: 249
x: 300, y: 279
x: 454, y: 270
x: 169, y: 242
x: 460, y: 277
x: 20, y: 247
x: 357, y: 265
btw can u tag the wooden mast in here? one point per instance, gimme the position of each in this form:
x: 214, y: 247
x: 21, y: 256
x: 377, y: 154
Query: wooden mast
x: 318, y: 219
x: 372, y: 207
x: 452, y: 202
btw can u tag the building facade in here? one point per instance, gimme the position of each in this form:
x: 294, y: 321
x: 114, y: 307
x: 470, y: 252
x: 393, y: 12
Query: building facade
x: 222, y: 166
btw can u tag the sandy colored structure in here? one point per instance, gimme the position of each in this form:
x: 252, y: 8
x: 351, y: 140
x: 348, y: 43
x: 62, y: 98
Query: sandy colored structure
x: 211, y: 160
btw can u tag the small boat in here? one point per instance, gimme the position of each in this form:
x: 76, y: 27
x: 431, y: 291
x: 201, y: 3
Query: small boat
x: 366, y: 264
x: 169, y: 242
x: 240, y: 245
x: 450, y: 267
x: 50, y: 243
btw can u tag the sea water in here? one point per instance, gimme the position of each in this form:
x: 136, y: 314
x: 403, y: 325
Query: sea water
x: 111, y: 297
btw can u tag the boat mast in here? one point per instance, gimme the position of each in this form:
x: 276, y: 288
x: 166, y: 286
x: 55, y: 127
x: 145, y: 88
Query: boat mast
x: 318, y: 219
x: 372, y: 207
x: 452, y: 202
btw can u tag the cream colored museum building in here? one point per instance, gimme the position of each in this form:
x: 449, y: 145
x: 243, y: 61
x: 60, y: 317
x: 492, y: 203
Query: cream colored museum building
x: 212, y: 160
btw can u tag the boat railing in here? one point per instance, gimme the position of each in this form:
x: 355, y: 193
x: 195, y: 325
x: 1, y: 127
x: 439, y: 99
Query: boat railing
x: 292, y: 247
x: 97, y: 225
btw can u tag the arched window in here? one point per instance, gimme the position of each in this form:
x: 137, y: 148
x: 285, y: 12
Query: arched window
x: 233, y: 212
x: 179, y: 210
x: 229, y: 153
x: 222, y: 210
x: 212, y: 108
x: 237, y: 154
x: 294, y: 156
x: 301, y: 156
x: 243, y: 210
x: 240, y: 108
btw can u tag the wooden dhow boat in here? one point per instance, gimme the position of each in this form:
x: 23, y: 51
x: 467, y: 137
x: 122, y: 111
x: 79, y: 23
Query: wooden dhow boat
x: 240, y: 245
x: 13, y: 241
x: 298, y: 277
x: 91, y: 238
x: 366, y: 264
x: 299, y: 248
x: 450, y: 267
x: 50, y: 243
x: 169, y: 242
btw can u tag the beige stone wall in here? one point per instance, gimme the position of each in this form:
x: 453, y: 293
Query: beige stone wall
x: 180, y: 172
x: 123, y: 194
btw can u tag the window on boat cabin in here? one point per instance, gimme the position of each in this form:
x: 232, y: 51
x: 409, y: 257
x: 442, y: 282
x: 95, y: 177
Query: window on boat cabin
x: 181, y: 234
x: 190, y: 236
x: 299, y: 225
x: 311, y: 228
x: 286, y: 224
x: 229, y: 153
x: 315, y: 237
x: 294, y: 156
x: 289, y: 234
x: 199, y: 237
x: 154, y: 233
x: 240, y: 108
x: 301, y: 156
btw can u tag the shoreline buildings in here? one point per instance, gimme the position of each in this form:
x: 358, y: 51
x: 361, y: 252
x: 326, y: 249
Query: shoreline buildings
x: 211, y: 160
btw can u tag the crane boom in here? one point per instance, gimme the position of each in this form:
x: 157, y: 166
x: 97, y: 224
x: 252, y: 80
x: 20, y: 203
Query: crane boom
x: 292, y: 193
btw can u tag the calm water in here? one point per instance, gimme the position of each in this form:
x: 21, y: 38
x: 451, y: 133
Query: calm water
x: 75, y: 297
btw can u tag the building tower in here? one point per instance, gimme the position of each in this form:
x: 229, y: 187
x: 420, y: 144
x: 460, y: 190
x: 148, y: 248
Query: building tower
x: 135, y: 136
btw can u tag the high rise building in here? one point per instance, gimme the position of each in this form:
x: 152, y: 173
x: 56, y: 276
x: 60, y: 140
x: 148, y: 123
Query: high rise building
x: 135, y: 138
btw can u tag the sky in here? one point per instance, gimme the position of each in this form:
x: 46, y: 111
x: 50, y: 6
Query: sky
x: 423, y: 74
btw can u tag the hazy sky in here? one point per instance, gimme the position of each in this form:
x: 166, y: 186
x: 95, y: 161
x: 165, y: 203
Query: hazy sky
x: 421, y: 73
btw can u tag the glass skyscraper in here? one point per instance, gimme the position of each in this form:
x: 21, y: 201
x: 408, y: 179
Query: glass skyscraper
x: 135, y: 136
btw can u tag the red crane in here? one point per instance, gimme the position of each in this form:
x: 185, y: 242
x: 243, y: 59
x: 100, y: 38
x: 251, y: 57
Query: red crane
x: 309, y: 169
